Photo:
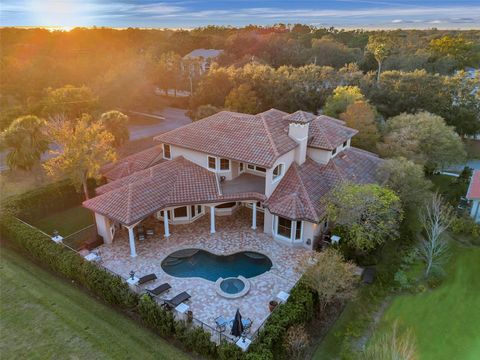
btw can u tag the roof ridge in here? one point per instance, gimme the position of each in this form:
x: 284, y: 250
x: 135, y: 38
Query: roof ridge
x: 269, y: 136
x: 304, y: 189
x: 316, y: 124
x: 129, y: 201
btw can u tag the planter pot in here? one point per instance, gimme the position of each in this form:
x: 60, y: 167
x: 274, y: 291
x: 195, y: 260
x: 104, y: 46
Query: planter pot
x: 189, y: 316
x: 272, y: 305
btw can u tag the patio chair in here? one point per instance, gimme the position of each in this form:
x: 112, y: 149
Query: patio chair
x: 147, y: 278
x: 159, y: 289
x: 247, y: 325
x: 222, y: 323
x: 177, y: 300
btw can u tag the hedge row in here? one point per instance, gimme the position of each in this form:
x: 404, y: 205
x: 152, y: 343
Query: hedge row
x: 299, y: 308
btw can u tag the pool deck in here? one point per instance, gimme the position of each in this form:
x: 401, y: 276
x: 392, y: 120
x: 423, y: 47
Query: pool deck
x: 233, y: 235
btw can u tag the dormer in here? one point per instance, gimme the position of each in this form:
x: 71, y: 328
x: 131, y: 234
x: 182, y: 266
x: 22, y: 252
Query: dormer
x: 298, y: 130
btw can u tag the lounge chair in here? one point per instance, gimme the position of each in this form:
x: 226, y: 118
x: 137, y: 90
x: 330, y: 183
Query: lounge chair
x: 177, y: 300
x: 147, y: 278
x: 159, y: 289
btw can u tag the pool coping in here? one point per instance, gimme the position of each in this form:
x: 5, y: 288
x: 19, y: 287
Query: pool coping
x: 226, y: 295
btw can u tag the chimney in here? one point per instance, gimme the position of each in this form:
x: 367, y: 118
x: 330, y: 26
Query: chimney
x: 298, y: 126
x: 299, y: 133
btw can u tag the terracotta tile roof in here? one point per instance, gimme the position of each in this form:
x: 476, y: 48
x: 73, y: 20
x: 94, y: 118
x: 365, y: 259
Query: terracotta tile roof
x: 474, y: 187
x: 300, y: 117
x: 256, y: 139
x: 130, y: 164
x: 171, y: 183
x: 301, y: 192
x: 328, y: 133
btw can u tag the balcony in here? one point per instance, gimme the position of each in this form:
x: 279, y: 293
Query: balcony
x: 243, y: 184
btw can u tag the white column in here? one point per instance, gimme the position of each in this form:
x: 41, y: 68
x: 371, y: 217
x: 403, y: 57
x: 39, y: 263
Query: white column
x: 165, y: 223
x: 131, y: 236
x: 254, y: 215
x: 212, y: 219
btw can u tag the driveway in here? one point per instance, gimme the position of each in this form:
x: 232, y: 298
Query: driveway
x: 169, y: 118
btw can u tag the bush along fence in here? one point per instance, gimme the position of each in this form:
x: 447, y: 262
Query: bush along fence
x: 112, y: 289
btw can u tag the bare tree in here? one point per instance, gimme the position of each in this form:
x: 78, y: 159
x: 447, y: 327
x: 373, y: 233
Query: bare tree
x: 436, y: 218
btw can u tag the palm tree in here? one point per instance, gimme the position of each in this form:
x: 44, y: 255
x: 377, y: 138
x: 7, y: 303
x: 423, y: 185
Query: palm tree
x: 25, y: 141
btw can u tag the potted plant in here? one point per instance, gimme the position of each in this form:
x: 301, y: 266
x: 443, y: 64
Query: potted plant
x: 272, y: 305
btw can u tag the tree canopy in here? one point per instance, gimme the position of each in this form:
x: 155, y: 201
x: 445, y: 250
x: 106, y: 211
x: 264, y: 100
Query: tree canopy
x: 116, y: 123
x: 362, y: 116
x: 367, y: 215
x: 423, y: 138
x: 342, y: 97
x: 85, y: 146
x: 26, y: 141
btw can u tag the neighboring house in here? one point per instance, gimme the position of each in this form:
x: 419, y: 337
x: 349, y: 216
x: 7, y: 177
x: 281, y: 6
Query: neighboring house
x: 133, y: 163
x: 280, y: 164
x: 198, y: 61
x: 473, y: 194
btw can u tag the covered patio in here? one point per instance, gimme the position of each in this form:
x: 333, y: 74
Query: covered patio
x: 233, y: 234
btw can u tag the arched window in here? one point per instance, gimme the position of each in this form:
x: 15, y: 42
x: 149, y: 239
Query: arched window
x: 278, y: 172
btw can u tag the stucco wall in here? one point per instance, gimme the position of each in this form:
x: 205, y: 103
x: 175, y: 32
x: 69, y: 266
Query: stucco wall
x: 103, y: 228
x: 286, y: 159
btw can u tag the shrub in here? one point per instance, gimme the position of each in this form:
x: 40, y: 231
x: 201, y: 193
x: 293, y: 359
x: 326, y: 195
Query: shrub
x: 465, y: 225
x: 229, y: 351
x: 296, y: 341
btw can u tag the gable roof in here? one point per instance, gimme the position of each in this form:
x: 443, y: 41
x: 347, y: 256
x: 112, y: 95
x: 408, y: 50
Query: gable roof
x: 256, y: 139
x: 328, y: 133
x: 299, y: 194
x: 171, y: 183
x: 130, y: 164
x: 474, y: 187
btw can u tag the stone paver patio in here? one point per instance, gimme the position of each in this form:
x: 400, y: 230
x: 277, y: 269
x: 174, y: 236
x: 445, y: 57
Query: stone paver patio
x: 233, y: 235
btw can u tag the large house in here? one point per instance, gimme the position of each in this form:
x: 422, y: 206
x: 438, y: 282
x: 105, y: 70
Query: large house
x: 198, y: 61
x: 280, y: 164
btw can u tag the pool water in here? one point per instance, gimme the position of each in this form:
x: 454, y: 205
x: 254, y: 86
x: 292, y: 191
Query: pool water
x: 232, y: 286
x: 201, y: 263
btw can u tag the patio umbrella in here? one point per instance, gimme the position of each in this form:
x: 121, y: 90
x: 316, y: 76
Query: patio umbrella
x: 237, y: 326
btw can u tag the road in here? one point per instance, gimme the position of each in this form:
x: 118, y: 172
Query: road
x: 169, y: 118
x: 172, y: 118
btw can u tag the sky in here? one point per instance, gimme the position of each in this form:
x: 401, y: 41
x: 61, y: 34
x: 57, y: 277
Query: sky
x: 442, y: 14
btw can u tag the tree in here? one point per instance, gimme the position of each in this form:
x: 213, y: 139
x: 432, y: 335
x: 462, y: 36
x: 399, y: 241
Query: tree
x: 242, y: 99
x: 423, y: 138
x: 391, y: 346
x: 169, y: 71
x: 436, y: 218
x: 26, y: 141
x: 329, y: 275
x: 367, y: 215
x: 407, y: 179
x: 85, y: 146
x: 342, y: 97
x: 213, y: 88
x: 362, y: 116
x: 115, y: 123
x: 381, y: 47
x: 70, y: 101
x: 457, y: 47
x: 329, y: 52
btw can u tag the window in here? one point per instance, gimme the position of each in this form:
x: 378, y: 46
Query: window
x: 240, y: 167
x: 212, y: 163
x: 251, y: 167
x: 284, y: 227
x: 278, y: 171
x: 180, y: 212
x: 334, y: 151
x: 345, y: 143
x: 224, y: 164
x: 199, y: 209
x: 298, y: 230
x: 192, y: 211
x: 166, y: 151
x: 261, y: 169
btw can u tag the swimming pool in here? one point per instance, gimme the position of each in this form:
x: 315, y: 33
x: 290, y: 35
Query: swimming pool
x: 201, y: 263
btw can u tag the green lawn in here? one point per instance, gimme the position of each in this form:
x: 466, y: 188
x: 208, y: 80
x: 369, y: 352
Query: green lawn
x: 66, y: 222
x: 43, y: 317
x: 445, y: 321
